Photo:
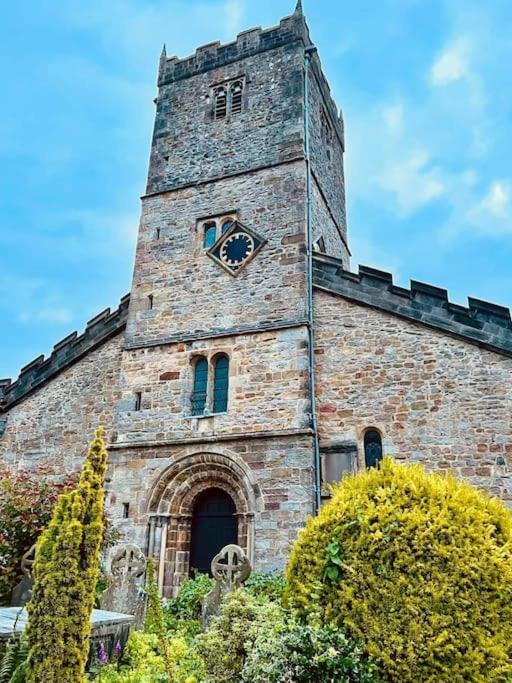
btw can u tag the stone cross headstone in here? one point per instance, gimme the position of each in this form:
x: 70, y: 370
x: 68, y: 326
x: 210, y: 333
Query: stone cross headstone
x: 124, y: 593
x: 230, y: 569
x: 22, y: 593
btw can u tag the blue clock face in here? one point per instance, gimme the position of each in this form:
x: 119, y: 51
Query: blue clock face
x: 236, y: 249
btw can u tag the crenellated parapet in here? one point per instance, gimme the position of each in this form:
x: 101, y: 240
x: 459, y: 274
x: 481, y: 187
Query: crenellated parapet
x: 481, y: 322
x: 66, y: 352
x: 248, y: 43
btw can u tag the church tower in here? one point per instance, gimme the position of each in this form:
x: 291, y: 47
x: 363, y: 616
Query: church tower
x: 215, y: 436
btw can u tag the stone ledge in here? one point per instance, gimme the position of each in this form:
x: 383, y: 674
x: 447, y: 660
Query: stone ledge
x: 66, y: 352
x: 482, y: 323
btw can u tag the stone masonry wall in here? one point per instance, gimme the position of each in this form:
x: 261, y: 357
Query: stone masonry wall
x: 268, y: 379
x: 435, y: 399
x: 51, y: 428
x: 190, y: 146
x: 192, y: 293
x: 326, y: 152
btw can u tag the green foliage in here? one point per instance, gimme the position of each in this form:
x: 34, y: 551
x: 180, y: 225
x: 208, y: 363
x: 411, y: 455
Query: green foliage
x: 418, y: 568
x: 300, y: 653
x: 268, y: 586
x: 13, y: 658
x: 65, y: 574
x: 224, y: 647
x: 144, y: 663
x: 183, y: 612
x: 26, y: 505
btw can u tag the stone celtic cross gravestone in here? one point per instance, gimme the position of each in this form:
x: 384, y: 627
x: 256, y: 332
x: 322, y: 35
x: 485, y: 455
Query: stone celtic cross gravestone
x: 22, y: 593
x: 230, y: 569
x: 124, y: 593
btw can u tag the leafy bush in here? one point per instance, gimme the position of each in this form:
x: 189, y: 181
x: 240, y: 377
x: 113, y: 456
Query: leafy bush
x: 26, y: 505
x: 183, y: 613
x: 27, y: 501
x: 224, y: 647
x: 300, y: 653
x: 268, y: 586
x: 144, y: 663
x: 65, y: 571
x: 418, y: 567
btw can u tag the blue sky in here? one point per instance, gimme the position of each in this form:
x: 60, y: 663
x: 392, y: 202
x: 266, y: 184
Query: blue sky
x: 426, y: 91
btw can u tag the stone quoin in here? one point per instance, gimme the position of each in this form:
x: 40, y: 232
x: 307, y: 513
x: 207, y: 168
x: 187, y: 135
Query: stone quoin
x: 248, y: 366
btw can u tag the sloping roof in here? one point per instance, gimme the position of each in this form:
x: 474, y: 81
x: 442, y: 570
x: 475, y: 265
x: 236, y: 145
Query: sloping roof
x: 66, y: 352
x: 482, y: 323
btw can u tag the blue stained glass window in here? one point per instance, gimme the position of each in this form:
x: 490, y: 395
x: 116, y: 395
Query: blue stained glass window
x: 372, y: 448
x: 226, y: 225
x: 210, y: 235
x: 221, y: 385
x: 200, y: 387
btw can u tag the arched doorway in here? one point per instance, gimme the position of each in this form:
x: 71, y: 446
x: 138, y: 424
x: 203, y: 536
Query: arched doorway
x: 214, y: 525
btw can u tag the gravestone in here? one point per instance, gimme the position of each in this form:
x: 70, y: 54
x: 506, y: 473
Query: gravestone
x: 125, y: 593
x: 230, y: 569
x: 22, y: 593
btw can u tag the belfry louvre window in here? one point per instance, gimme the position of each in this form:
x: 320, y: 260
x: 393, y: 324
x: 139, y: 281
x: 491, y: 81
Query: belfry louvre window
x: 221, y: 384
x: 372, y: 448
x: 236, y: 92
x: 200, y: 391
x: 228, y: 99
x: 221, y: 102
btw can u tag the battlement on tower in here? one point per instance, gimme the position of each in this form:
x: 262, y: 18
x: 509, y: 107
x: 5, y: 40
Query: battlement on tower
x: 291, y: 29
x: 481, y: 322
x: 66, y: 352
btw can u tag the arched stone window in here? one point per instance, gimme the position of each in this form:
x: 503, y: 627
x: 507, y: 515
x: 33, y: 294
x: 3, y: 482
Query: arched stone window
x: 200, y: 391
x: 221, y: 384
x: 372, y: 448
x: 209, y: 234
x: 220, y: 102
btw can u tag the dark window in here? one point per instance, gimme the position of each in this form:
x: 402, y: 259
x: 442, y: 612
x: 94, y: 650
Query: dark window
x: 200, y: 387
x: 126, y: 510
x: 138, y: 401
x: 210, y: 234
x: 150, y: 302
x: 221, y: 102
x: 158, y: 233
x: 237, y: 89
x: 372, y: 448
x: 221, y: 385
x: 214, y: 526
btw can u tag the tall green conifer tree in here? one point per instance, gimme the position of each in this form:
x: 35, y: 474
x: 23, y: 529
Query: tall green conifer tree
x: 65, y: 572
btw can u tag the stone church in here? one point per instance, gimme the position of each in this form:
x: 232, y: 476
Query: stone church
x: 249, y: 366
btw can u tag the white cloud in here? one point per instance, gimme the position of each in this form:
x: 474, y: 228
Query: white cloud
x: 413, y: 182
x: 234, y: 13
x: 394, y: 118
x: 497, y: 200
x: 452, y: 64
x: 46, y: 314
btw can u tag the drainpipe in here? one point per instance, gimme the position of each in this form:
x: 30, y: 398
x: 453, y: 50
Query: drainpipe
x: 310, y: 312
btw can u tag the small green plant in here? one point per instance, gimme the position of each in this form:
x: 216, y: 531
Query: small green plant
x: 266, y: 586
x: 12, y: 662
x: 65, y: 574
x: 183, y: 612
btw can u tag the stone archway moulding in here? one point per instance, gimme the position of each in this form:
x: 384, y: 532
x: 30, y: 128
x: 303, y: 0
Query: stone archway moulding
x: 171, y: 504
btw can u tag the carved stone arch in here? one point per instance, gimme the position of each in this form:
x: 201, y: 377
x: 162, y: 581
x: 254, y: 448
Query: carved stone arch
x: 171, y: 505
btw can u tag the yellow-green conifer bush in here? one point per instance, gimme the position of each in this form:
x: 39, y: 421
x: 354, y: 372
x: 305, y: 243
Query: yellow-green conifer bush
x: 65, y: 572
x: 418, y: 567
